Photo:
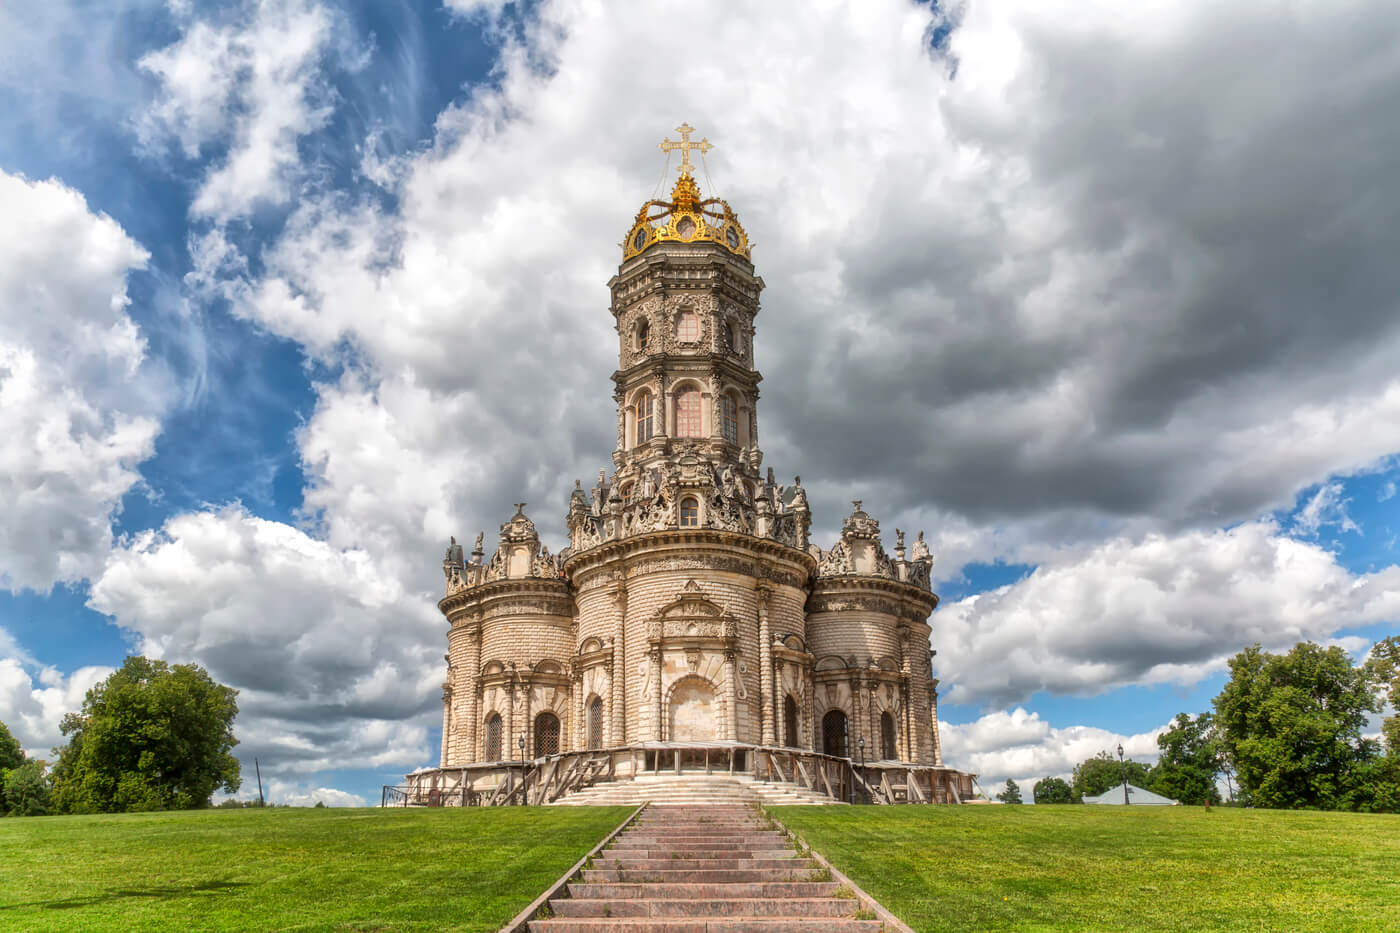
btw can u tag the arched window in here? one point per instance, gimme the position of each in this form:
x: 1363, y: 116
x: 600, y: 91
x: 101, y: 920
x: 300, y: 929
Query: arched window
x: 493, y: 737
x: 729, y: 410
x: 690, y: 513
x: 643, y: 413
x: 731, y: 336
x: 546, y: 735
x: 834, y: 733
x: 688, y: 421
x: 790, y: 738
x: 626, y: 491
x: 595, y: 722
x: 688, y: 327
x: 888, y: 750
x: 641, y: 334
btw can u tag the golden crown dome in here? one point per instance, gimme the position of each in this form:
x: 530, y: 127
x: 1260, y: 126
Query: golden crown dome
x: 686, y: 218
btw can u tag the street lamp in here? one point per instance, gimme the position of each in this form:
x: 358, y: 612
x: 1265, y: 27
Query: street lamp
x: 524, y: 798
x: 1123, y: 769
x: 861, y: 745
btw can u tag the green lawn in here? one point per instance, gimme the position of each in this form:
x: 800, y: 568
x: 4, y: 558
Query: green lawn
x: 327, y: 869
x: 1076, y: 868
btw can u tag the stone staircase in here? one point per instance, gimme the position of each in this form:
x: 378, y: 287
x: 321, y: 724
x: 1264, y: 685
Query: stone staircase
x: 703, y: 869
x: 687, y: 789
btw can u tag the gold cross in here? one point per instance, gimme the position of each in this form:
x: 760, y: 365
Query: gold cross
x: 685, y: 145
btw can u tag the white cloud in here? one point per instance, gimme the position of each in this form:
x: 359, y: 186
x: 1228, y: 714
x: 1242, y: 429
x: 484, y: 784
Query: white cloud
x: 34, y: 700
x: 1020, y: 745
x: 329, y: 796
x: 1160, y: 609
x: 254, y: 86
x: 76, y: 412
x: 1326, y: 507
x: 337, y: 665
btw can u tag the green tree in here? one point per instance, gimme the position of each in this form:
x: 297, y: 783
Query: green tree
x: 149, y: 737
x: 26, y: 789
x: 1292, y: 726
x: 11, y: 755
x: 1383, y: 666
x: 1012, y: 793
x: 1103, y: 772
x: 1052, y: 790
x: 1190, y: 761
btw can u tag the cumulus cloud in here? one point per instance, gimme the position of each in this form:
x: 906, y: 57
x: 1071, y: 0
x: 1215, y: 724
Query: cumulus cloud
x: 35, y: 698
x: 76, y: 413
x: 1019, y: 745
x: 1038, y: 301
x: 1160, y: 609
x: 253, y: 87
x: 336, y: 663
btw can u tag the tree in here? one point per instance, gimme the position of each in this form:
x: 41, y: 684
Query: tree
x: 1383, y: 666
x: 1052, y: 790
x: 1292, y: 726
x: 1103, y: 772
x: 25, y: 790
x: 11, y: 755
x: 1012, y: 794
x: 149, y: 737
x: 1189, y: 762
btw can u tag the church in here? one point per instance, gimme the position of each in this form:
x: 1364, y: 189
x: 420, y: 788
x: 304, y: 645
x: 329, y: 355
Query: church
x: 691, y: 618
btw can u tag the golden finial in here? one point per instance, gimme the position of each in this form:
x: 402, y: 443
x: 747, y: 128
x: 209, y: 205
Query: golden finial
x: 685, y: 145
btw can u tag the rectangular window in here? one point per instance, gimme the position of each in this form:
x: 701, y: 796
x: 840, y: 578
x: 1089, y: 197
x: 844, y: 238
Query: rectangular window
x: 645, y: 422
x: 731, y: 419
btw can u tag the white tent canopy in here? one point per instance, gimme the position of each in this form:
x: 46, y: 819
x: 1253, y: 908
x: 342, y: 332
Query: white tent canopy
x: 1136, y: 796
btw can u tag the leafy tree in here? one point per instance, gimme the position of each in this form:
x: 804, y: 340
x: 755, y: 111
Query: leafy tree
x: 1292, y: 726
x: 1190, y: 761
x: 1383, y: 666
x: 1052, y: 790
x: 11, y: 755
x: 1103, y: 772
x: 1012, y: 794
x: 149, y: 737
x: 26, y: 789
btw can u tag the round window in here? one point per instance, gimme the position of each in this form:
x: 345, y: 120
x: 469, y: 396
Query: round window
x: 686, y: 228
x: 639, y: 240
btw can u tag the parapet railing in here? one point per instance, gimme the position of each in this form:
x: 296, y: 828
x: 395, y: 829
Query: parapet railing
x: 547, y: 779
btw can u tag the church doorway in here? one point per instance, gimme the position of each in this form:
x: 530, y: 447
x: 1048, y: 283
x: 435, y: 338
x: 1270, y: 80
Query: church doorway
x: 888, y: 751
x: 546, y: 735
x: 834, y: 734
x: 790, y: 722
x: 693, y: 711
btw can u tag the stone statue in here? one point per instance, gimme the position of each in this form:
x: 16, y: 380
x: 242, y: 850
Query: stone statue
x: 921, y: 551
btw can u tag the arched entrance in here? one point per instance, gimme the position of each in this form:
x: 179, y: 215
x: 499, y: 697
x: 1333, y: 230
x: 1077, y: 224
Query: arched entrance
x: 546, y: 735
x: 834, y: 734
x: 493, y: 737
x: 790, y: 738
x: 692, y: 714
x: 888, y: 750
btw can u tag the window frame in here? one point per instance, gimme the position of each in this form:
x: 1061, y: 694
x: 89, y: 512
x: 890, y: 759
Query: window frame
x: 689, y: 506
x: 689, y: 423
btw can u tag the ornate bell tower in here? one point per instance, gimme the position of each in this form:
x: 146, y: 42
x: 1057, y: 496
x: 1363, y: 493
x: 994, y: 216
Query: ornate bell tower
x: 684, y: 300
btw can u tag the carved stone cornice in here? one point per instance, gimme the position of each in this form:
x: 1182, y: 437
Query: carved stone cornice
x: 696, y: 548
x: 876, y: 594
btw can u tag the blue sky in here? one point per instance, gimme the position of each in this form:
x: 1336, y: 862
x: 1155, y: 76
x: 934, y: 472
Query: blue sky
x: 295, y: 289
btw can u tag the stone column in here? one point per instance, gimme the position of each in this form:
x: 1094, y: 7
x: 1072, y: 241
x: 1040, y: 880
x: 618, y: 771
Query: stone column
x: 731, y: 668
x: 472, y: 737
x: 767, y: 694
x: 579, y: 733
x: 526, y: 727
x: 508, y: 740
x: 446, y: 718
x: 662, y: 412
x: 656, y: 668
x: 617, y: 683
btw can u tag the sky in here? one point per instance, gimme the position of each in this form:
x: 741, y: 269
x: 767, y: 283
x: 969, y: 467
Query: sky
x: 1103, y: 297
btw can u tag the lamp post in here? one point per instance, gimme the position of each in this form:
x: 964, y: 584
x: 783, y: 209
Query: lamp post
x: 524, y: 798
x: 861, y: 745
x: 1123, y: 769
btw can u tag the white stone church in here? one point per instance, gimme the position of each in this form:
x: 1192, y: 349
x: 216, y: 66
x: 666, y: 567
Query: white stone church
x: 691, y: 624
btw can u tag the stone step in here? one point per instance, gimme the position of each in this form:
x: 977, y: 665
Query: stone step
x: 754, y: 839
x: 712, y: 925
x: 702, y: 891
x: 613, y: 863
x: 702, y: 853
x: 718, y: 907
x: 789, y: 872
